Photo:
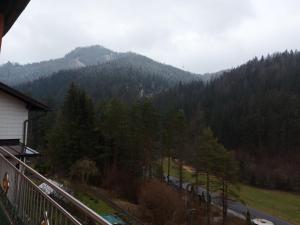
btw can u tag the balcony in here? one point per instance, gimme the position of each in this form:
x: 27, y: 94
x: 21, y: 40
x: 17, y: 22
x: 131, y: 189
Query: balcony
x: 22, y: 202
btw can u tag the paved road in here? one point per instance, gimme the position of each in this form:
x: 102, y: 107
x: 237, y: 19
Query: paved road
x: 233, y: 206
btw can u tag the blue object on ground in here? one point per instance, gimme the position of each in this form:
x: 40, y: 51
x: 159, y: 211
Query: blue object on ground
x: 113, y: 219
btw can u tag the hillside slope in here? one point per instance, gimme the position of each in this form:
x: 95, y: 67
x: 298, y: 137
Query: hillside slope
x: 15, y: 74
x: 253, y: 109
x: 101, y: 82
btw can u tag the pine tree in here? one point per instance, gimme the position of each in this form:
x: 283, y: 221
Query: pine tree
x: 72, y: 137
x: 226, y: 171
x: 179, y: 129
x: 145, y: 126
x: 113, y: 126
x: 205, y: 156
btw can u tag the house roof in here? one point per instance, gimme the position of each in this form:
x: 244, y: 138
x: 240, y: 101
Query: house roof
x: 18, y: 151
x: 32, y: 104
x: 11, y: 9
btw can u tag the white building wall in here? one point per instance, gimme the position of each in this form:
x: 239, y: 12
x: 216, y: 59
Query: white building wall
x: 13, y: 113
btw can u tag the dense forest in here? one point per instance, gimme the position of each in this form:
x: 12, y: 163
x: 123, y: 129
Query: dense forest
x: 122, y: 147
x: 100, y: 82
x: 254, y: 110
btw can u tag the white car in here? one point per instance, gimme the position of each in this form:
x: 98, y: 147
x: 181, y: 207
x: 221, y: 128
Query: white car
x: 261, y: 222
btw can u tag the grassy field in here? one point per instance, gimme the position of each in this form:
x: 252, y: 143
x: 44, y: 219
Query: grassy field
x: 281, y: 204
x: 97, y: 205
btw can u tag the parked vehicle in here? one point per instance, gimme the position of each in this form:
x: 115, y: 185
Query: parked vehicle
x: 261, y: 222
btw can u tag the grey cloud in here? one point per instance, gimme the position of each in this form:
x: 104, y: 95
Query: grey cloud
x: 199, y: 35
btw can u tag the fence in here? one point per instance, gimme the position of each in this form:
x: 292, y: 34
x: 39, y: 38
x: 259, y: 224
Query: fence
x: 27, y: 204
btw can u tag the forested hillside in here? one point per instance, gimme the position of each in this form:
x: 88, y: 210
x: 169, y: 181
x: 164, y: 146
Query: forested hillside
x: 255, y: 110
x: 103, y: 82
x: 16, y: 74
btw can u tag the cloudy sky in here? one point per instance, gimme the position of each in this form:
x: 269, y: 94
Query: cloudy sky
x: 197, y: 35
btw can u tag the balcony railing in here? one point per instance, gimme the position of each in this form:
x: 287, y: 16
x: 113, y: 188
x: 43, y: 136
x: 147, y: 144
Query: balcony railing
x: 26, y: 204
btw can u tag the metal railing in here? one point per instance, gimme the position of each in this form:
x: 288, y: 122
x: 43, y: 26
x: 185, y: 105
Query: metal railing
x: 27, y: 204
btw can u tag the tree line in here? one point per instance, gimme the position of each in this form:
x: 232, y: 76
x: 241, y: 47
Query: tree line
x: 125, y: 145
x: 254, y: 110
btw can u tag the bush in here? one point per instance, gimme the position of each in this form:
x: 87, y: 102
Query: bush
x: 122, y: 182
x: 161, y: 204
x: 84, y: 169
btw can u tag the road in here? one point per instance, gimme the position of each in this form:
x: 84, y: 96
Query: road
x: 234, y: 207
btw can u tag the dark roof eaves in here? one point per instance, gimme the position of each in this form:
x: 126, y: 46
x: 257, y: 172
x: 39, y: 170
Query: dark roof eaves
x: 33, y: 104
x: 13, y: 13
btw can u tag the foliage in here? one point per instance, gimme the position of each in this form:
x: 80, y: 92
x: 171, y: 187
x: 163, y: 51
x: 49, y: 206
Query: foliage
x: 254, y: 110
x: 162, y: 205
x: 72, y: 137
x: 84, y: 169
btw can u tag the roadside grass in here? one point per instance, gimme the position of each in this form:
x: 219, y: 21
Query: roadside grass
x: 188, y: 176
x: 278, y: 203
x: 281, y: 204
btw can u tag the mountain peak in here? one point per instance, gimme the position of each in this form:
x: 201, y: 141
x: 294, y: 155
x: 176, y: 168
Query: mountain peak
x: 89, y: 56
x: 90, y: 51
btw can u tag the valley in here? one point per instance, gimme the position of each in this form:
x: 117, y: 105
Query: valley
x: 119, y: 113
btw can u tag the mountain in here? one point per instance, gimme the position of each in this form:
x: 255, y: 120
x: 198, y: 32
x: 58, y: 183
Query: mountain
x: 253, y: 109
x: 148, y: 65
x: 101, y: 72
x: 15, y: 74
x: 114, y: 79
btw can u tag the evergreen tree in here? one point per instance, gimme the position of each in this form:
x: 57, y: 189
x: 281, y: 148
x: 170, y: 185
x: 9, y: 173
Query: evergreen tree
x: 73, y: 137
x: 145, y: 125
x: 205, y: 156
x: 226, y: 171
x: 114, y: 127
x: 179, y: 132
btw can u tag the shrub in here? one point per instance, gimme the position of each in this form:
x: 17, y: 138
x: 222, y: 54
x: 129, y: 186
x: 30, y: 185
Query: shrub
x: 161, y: 204
x: 122, y: 182
x: 84, y: 169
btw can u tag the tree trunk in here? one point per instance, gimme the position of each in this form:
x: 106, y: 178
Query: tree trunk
x: 197, y: 179
x: 195, y: 188
x: 226, y: 201
x: 169, y: 167
x: 207, y: 199
x: 180, y: 174
x: 223, y: 203
x: 162, y: 168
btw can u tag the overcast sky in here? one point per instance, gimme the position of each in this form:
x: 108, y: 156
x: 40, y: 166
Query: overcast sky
x: 197, y: 35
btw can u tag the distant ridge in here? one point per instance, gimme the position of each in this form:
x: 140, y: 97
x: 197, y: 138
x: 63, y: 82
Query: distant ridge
x: 16, y: 74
